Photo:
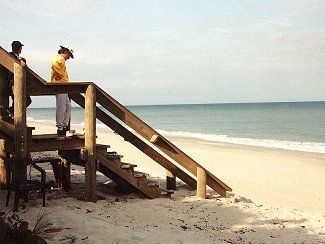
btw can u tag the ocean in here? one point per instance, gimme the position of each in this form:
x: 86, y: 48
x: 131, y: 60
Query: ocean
x: 296, y: 126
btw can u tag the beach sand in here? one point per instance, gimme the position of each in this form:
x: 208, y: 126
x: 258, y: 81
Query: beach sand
x: 278, y: 197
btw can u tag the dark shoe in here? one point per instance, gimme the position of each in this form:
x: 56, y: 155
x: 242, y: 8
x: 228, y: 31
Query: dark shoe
x: 61, y: 132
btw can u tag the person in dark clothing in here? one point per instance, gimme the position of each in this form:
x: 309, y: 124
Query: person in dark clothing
x: 16, y: 47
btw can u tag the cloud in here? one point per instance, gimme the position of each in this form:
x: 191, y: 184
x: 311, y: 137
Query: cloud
x: 74, y: 6
x: 283, y: 22
x: 222, y: 30
x: 158, y: 70
x: 137, y: 72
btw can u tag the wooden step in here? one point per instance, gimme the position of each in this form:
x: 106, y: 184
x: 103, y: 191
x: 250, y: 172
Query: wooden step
x: 138, y: 174
x: 50, y: 159
x: 164, y: 193
x: 152, y: 183
x: 128, y: 166
x: 115, y: 157
x: 138, y: 183
x: 51, y: 142
x: 102, y: 146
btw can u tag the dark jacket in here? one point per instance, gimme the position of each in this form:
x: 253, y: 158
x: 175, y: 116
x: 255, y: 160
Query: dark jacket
x: 10, y: 74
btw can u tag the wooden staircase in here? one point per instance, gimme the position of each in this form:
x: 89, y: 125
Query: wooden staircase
x: 139, y: 180
x: 124, y: 174
x: 117, y: 117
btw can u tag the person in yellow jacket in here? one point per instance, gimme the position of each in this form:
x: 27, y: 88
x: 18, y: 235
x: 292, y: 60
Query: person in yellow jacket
x: 59, y: 74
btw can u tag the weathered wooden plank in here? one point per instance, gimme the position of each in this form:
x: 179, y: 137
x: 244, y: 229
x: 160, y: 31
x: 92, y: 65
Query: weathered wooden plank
x: 4, y: 171
x: 21, y: 149
x: 53, y: 144
x: 201, y: 182
x: 40, y: 143
x: 138, y: 143
x: 4, y: 104
x: 53, y: 88
x: 4, y: 92
x: 170, y: 181
x: 147, y: 132
x: 6, y: 60
x: 7, y: 128
x: 50, y: 137
x: 90, y: 144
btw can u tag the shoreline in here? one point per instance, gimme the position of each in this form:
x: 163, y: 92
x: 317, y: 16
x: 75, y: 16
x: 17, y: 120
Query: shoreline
x: 248, y: 147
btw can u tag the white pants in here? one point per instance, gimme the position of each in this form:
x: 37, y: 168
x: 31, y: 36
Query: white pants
x: 63, y: 110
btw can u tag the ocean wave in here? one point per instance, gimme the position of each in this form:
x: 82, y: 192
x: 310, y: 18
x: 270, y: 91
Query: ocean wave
x: 80, y: 125
x: 44, y: 121
x: 316, y: 147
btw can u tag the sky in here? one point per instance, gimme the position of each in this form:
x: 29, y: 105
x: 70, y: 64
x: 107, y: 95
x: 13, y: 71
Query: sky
x: 177, y: 52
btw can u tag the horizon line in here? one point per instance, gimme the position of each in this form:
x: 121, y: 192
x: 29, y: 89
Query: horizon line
x: 225, y: 103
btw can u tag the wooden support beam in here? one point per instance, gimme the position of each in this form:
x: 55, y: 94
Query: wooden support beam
x: 39, y: 143
x: 53, y: 88
x: 7, y: 128
x: 20, y: 118
x: 36, y: 144
x: 4, y: 92
x: 4, y: 104
x: 170, y: 181
x: 90, y: 144
x: 4, y: 168
x: 6, y: 60
x: 21, y: 152
x: 154, y: 138
x: 201, y: 182
x: 62, y: 173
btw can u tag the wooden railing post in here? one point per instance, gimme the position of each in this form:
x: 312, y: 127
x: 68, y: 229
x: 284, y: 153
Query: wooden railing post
x: 4, y: 104
x: 90, y: 143
x: 201, y: 182
x: 170, y: 181
x: 4, y: 92
x: 21, y: 153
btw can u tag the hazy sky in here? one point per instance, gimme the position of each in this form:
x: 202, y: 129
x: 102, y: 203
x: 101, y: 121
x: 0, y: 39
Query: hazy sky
x: 162, y: 52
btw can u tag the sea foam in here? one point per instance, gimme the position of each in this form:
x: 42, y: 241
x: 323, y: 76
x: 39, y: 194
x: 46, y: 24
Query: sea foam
x: 211, y: 139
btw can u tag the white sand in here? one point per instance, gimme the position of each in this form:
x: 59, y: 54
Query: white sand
x: 278, y: 197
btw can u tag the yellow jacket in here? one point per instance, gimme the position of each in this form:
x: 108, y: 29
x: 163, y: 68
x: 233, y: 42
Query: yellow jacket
x: 58, y: 70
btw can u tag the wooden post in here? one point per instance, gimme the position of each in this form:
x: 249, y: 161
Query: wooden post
x: 66, y: 175
x: 4, y: 169
x: 4, y: 92
x: 4, y: 104
x: 170, y: 181
x: 21, y: 152
x: 201, y: 182
x: 62, y: 174
x: 90, y: 143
